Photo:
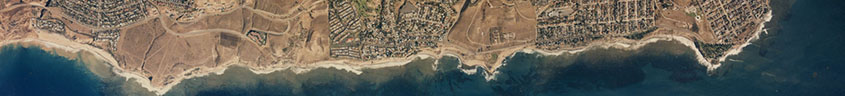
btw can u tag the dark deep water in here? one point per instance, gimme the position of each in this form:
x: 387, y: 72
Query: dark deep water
x: 800, y: 55
x: 35, y: 72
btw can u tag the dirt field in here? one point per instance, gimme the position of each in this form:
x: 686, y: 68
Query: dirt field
x: 223, y: 21
x: 460, y: 32
x: 477, y: 22
x: 526, y: 20
x: 265, y: 24
x: 132, y: 48
x: 275, y: 6
x: 161, y: 49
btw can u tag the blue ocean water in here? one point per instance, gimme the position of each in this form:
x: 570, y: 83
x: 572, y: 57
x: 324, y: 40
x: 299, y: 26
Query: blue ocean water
x: 35, y: 72
x: 800, y: 55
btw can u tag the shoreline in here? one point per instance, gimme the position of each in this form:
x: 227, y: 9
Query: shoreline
x: 339, y: 65
x: 651, y: 39
x: 760, y: 29
x: 70, y: 51
x: 627, y: 45
x: 49, y: 41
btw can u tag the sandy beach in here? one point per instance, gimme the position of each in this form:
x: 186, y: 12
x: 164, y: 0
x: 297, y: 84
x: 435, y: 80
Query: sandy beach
x: 68, y: 48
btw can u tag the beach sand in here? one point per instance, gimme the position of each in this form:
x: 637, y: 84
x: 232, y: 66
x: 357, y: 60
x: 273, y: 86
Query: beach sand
x: 67, y: 48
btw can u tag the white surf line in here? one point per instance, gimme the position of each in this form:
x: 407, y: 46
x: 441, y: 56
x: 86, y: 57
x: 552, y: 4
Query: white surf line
x: 99, y: 55
x: 687, y: 42
x: 343, y: 65
x: 760, y: 29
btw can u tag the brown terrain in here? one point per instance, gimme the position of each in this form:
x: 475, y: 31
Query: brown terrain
x: 165, y: 42
x: 514, y: 22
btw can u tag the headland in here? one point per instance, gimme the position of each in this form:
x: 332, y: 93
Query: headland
x: 160, y: 43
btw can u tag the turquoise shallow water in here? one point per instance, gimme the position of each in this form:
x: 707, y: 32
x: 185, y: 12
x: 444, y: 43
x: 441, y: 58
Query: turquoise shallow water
x: 800, y: 56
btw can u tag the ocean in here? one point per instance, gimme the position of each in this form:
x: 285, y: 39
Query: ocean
x: 799, y: 55
x: 35, y: 72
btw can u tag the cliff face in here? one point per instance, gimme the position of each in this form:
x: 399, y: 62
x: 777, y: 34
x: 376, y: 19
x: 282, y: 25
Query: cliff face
x: 164, y: 42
